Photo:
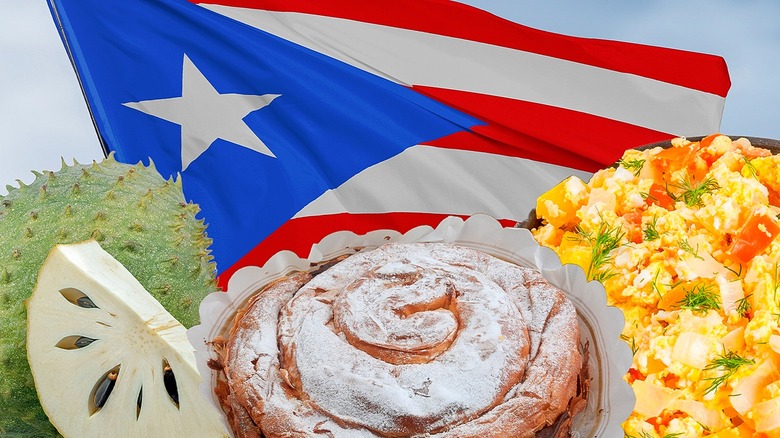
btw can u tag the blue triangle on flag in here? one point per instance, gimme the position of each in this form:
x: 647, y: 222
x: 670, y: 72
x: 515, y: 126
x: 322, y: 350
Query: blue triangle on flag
x: 329, y: 121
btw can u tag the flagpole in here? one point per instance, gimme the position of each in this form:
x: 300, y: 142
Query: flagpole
x: 61, y: 29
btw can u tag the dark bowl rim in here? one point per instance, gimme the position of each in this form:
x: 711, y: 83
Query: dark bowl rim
x: 762, y: 142
x: 773, y: 145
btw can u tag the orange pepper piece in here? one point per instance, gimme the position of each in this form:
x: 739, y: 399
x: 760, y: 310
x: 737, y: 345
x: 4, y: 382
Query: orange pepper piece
x: 757, y: 233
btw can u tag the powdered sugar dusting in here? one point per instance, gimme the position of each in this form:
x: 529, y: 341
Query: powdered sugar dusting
x: 476, y: 331
x: 465, y: 379
x: 399, y: 306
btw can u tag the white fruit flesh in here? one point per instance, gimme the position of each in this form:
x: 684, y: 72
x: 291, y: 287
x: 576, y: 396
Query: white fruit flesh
x: 132, y: 331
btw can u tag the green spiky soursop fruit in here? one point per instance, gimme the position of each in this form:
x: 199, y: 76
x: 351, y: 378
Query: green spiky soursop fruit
x: 107, y: 357
x: 138, y: 217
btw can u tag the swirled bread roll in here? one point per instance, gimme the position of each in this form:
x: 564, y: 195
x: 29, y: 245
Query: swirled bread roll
x: 425, y: 339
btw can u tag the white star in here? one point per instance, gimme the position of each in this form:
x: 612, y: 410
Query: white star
x: 206, y: 115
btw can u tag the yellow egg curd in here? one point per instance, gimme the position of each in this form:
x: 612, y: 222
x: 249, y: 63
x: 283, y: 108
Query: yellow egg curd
x: 684, y: 240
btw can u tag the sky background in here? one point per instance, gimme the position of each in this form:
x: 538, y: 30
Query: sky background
x: 43, y: 116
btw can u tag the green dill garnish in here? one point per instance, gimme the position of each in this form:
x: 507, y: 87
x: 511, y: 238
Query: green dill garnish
x: 634, y: 348
x: 692, y: 193
x: 730, y: 363
x: 735, y: 272
x: 634, y: 165
x: 685, y: 246
x: 750, y: 167
x: 743, y: 305
x: 601, y: 243
x: 654, y: 285
x: 603, y: 275
x: 700, y: 298
x: 651, y: 232
x: 775, y: 287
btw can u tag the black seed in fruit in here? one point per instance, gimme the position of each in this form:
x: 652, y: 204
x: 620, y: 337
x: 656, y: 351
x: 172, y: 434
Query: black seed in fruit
x: 140, y: 399
x: 83, y: 341
x: 104, y: 389
x: 86, y: 303
x: 170, y: 384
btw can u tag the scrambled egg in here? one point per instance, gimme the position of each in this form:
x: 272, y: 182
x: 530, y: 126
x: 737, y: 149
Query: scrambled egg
x: 684, y: 240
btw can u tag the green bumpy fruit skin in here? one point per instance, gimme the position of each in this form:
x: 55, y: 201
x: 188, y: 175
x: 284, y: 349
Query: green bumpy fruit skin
x: 138, y: 217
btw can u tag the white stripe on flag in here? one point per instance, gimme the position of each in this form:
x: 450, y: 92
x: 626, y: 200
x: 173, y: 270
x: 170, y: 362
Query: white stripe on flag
x: 448, y: 181
x: 417, y: 58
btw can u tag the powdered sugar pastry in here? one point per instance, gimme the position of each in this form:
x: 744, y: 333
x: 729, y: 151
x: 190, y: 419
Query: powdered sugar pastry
x: 404, y: 340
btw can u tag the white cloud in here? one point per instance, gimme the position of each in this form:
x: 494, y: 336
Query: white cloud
x: 43, y: 116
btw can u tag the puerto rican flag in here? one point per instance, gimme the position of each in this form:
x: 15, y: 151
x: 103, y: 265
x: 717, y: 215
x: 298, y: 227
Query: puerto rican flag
x: 289, y: 120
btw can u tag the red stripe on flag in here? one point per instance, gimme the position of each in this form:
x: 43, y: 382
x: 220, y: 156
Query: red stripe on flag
x: 298, y: 235
x: 466, y: 22
x: 541, y: 132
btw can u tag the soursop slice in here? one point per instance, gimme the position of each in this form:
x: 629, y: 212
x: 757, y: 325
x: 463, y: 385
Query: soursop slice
x: 107, y: 358
x: 140, y: 218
